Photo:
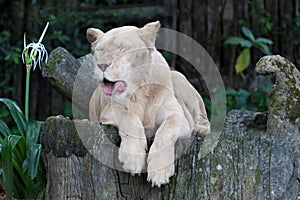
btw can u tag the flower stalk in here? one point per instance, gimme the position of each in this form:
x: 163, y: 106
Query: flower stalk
x: 27, y: 95
x: 33, y: 54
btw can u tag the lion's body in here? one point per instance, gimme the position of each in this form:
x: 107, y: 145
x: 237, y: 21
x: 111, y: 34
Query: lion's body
x: 139, y: 94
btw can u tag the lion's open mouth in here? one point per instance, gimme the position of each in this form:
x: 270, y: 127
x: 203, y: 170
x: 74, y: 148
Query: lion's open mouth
x: 111, y: 87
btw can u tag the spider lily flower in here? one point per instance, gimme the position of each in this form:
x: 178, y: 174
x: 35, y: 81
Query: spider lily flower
x: 34, y: 53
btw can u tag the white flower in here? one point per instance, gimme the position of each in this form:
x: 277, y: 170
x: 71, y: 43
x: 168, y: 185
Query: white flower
x: 34, y: 53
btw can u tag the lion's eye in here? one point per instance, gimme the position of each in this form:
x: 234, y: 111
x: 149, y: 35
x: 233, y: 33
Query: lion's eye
x: 122, y: 49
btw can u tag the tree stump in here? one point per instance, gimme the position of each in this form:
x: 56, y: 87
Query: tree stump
x: 252, y: 160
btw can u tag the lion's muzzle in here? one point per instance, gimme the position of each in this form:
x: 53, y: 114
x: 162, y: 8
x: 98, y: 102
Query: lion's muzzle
x: 111, y: 87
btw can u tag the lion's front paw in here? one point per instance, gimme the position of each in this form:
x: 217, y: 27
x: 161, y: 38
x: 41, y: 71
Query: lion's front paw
x: 161, y: 176
x: 160, y: 165
x: 132, y: 162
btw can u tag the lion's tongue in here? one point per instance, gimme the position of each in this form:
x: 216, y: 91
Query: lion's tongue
x: 110, y: 88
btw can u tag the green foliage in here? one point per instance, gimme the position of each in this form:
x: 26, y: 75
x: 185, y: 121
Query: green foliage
x: 67, y: 109
x: 237, y: 98
x: 243, y: 60
x: 7, y: 166
x: 243, y: 99
x: 23, y: 172
x: 207, y: 103
x: 10, y: 56
x: 247, y: 42
x: 265, y: 20
x: 287, y: 30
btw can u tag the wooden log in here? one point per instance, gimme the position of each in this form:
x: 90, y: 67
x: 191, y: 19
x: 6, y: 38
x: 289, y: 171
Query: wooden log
x: 245, y: 164
x: 63, y: 71
x: 284, y: 97
x: 251, y: 160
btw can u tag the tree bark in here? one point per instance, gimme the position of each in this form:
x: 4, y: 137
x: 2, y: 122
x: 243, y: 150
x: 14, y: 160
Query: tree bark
x: 64, y: 72
x: 252, y: 160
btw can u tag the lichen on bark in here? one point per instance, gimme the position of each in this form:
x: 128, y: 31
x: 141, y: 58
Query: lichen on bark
x: 284, y: 97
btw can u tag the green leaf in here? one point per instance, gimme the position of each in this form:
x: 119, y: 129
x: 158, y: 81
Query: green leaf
x: 264, y: 40
x: 246, y: 43
x: 40, y: 184
x: 242, y: 97
x: 14, y: 139
x: 34, y: 159
x: 7, y: 167
x: 248, y: 33
x: 233, y: 41
x: 19, y: 188
x: 231, y: 92
x: 19, y: 149
x: 244, y: 93
x: 33, y: 132
x: 4, y: 130
x: 21, y: 180
x: 264, y: 48
x: 243, y: 60
x: 238, y: 40
x: 16, y: 114
x: 33, y: 149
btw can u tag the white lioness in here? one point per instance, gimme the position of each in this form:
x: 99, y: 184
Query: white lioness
x: 141, y: 96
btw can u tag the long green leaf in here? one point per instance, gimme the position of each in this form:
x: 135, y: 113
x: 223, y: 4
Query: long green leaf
x: 34, y: 160
x: 19, y: 189
x: 16, y: 114
x: 33, y: 149
x: 4, y: 130
x: 14, y: 139
x: 246, y: 43
x: 248, y: 33
x: 264, y: 40
x: 7, y: 167
x: 264, y: 48
x: 19, y: 155
x: 243, y: 60
x: 19, y: 151
x: 33, y: 132
x: 233, y: 40
x: 38, y: 189
x: 23, y: 177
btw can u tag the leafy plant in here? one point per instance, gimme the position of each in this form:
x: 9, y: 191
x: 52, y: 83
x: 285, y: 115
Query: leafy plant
x: 23, y: 172
x: 237, y: 99
x: 9, y: 56
x: 247, y: 42
x: 243, y: 99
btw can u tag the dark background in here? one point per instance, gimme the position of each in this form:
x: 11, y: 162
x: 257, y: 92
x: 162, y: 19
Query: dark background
x: 209, y: 22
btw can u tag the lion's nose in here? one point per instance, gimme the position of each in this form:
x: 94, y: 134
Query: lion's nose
x: 103, y: 66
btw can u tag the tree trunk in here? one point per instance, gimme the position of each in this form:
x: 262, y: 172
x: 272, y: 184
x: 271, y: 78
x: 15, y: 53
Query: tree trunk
x: 252, y: 160
x: 64, y: 72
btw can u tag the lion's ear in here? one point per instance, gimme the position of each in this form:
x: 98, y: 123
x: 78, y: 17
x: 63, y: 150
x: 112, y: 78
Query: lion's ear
x: 92, y: 34
x: 148, y: 33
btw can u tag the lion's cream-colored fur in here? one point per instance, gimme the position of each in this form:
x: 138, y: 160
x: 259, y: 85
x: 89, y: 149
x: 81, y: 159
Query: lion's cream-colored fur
x: 139, y: 95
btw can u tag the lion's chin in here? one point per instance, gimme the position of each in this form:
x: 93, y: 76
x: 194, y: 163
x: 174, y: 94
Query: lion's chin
x: 111, y: 87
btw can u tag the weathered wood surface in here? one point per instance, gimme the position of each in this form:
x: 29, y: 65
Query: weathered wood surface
x: 284, y: 97
x: 64, y: 71
x: 247, y: 163
x: 251, y: 160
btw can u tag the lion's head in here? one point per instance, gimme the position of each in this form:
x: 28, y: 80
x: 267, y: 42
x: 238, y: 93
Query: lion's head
x: 123, y: 56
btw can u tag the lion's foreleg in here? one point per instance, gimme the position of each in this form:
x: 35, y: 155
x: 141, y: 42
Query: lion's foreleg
x: 162, y: 152
x: 132, y: 151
